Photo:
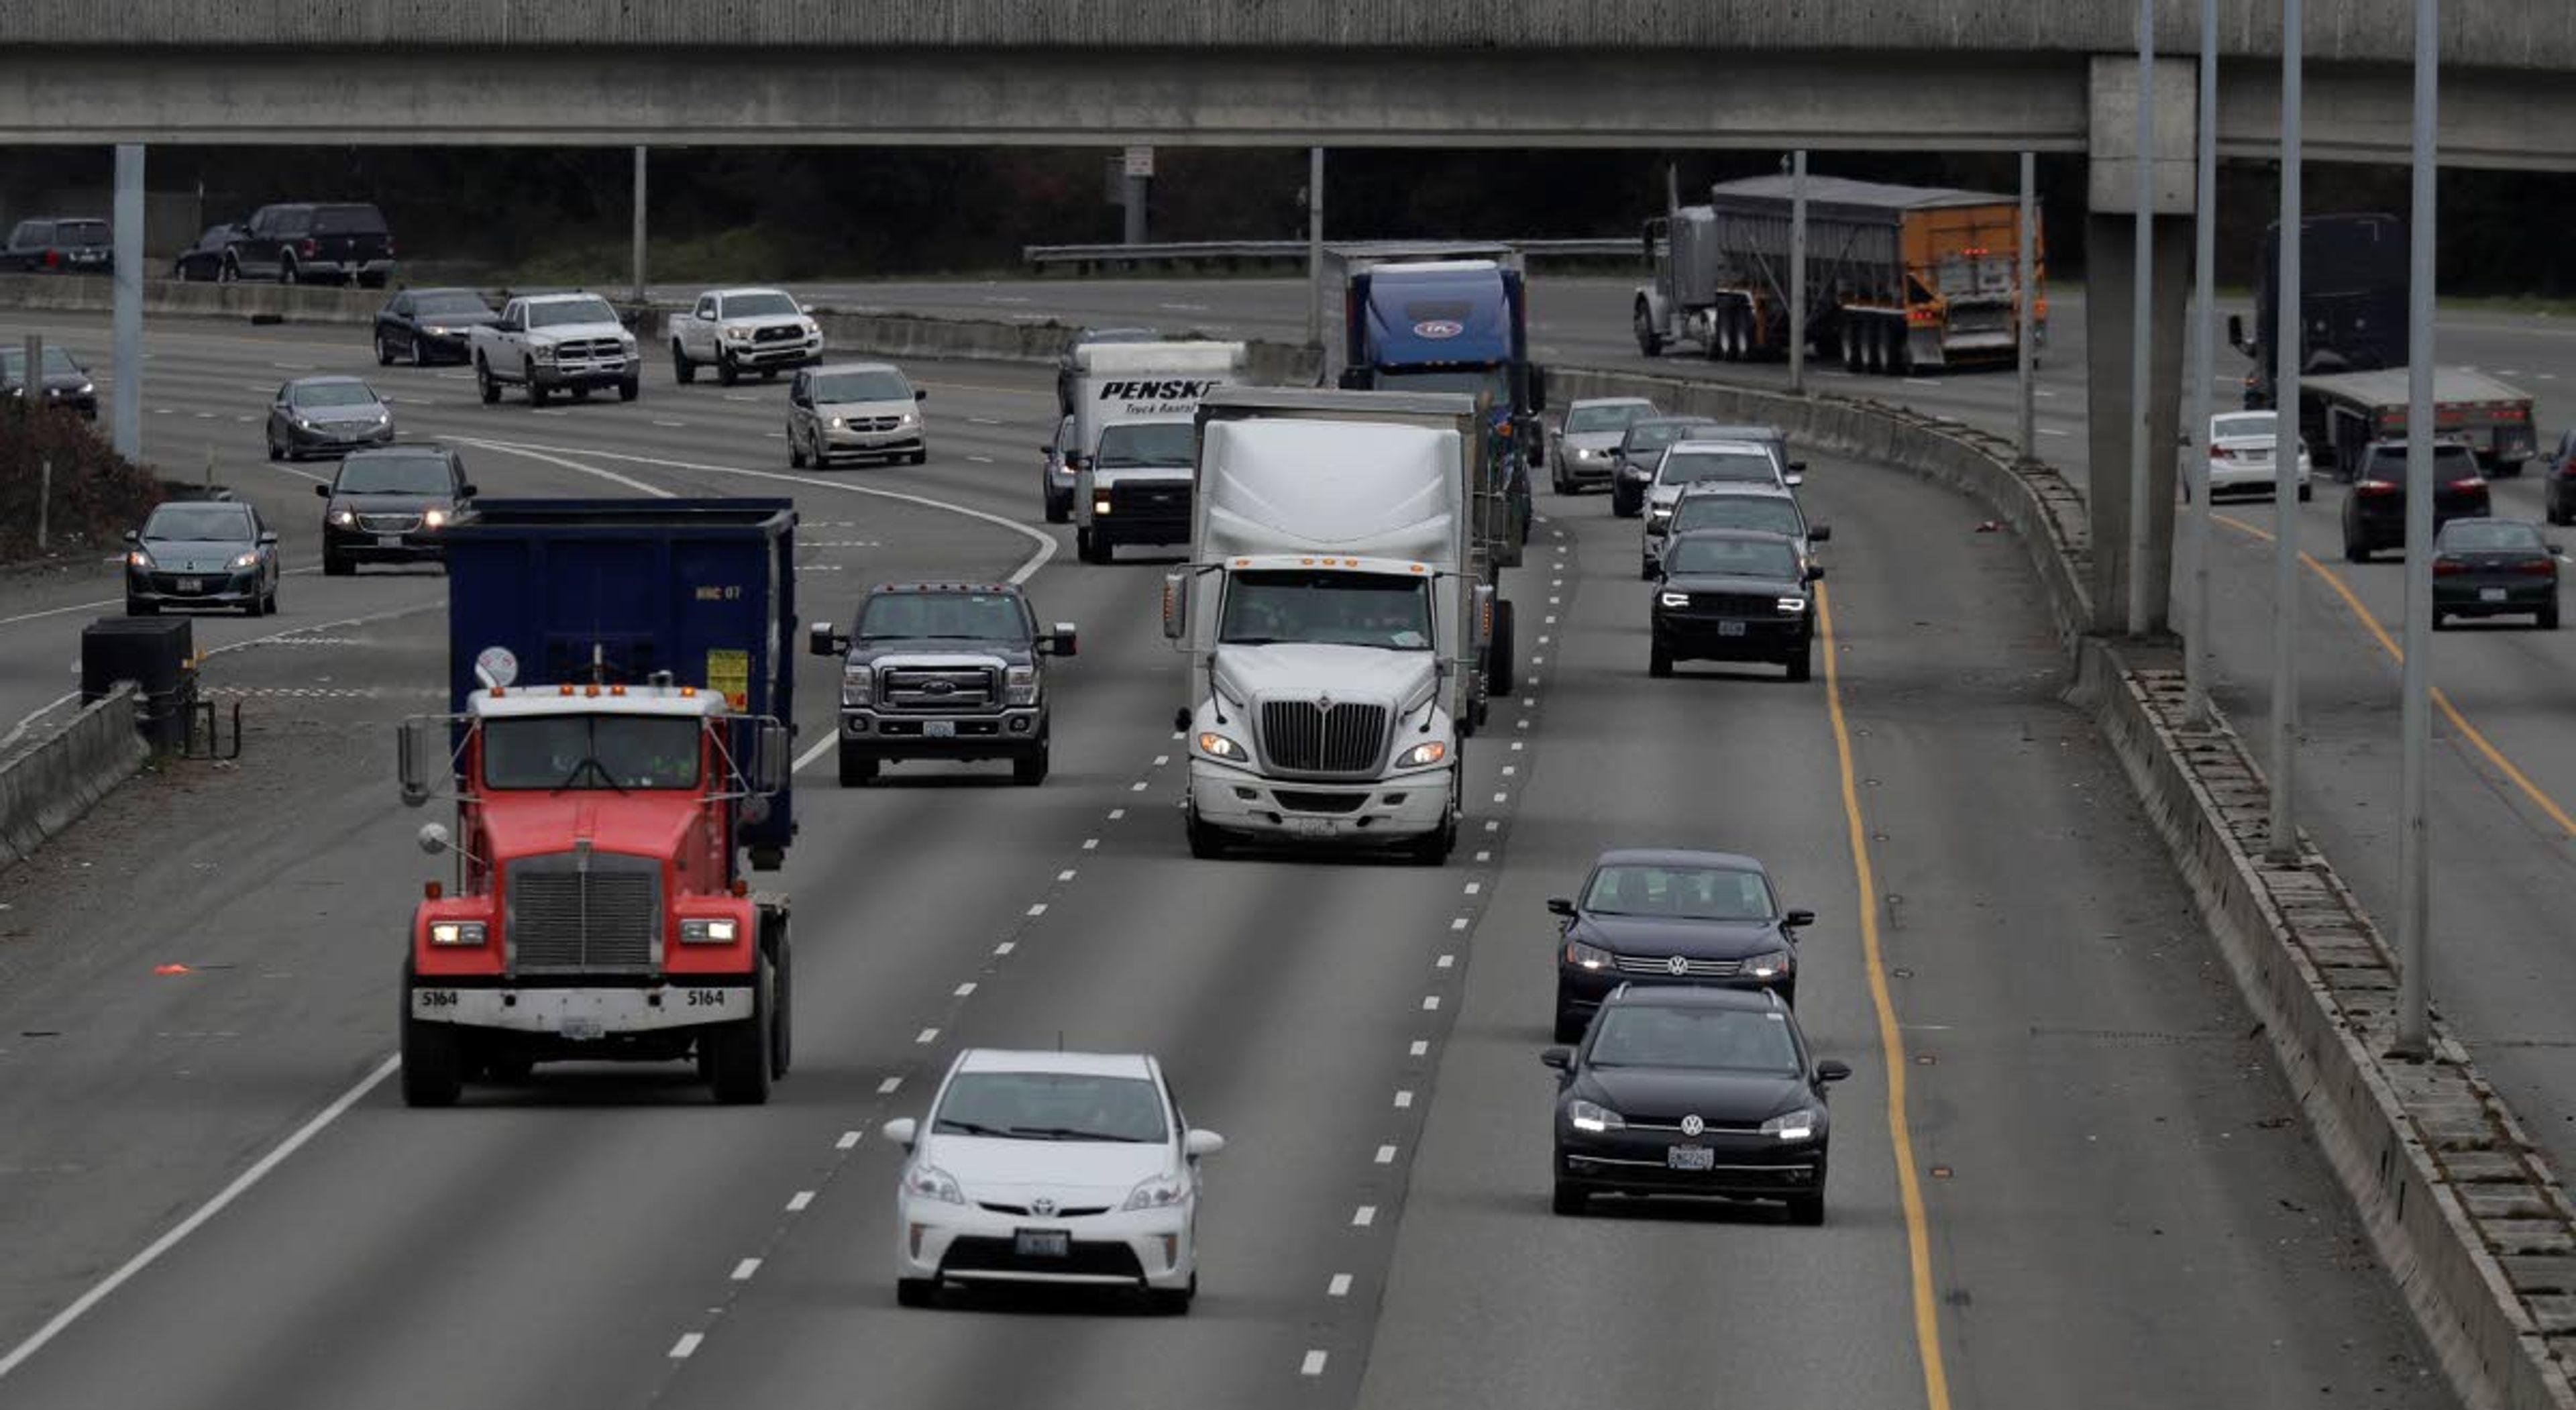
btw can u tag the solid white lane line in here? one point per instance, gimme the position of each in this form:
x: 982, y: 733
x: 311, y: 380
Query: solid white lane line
x: 796, y: 1203
x: 152, y: 1252
x: 821, y: 747
x: 687, y: 1345
x: 742, y: 1271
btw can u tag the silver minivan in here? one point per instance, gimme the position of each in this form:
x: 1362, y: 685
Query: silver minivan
x: 855, y: 409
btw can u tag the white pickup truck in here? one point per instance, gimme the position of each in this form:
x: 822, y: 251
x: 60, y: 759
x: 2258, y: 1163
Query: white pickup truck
x: 743, y: 330
x: 556, y: 342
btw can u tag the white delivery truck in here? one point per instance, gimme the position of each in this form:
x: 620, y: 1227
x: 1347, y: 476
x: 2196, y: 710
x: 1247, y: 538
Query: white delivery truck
x: 1336, y: 612
x: 1132, y: 408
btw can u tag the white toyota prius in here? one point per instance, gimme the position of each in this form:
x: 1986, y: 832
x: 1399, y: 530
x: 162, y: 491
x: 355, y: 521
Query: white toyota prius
x: 1050, y: 1167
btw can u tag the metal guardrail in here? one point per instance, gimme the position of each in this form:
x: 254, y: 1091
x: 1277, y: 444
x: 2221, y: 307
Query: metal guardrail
x: 1088, y: 257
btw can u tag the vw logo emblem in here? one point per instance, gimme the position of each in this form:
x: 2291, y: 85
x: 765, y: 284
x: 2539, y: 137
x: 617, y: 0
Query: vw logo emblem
x: 1436, y: 328
x: 939, y: 688
x: 1677, y: 965
x: 1692, y: 1125
x: 1045, y: 1208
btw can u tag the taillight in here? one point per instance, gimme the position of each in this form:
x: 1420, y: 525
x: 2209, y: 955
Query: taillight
x: 310, y: 249
x: 2468, y: 482
x: 2376, y: 488
x: 2221, y: 453
x: 2538, y: 567
x: 52, y: 258
x: 2448, y: 567
x: 389, y: 247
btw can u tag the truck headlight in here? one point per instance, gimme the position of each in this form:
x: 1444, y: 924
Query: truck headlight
x: 458, y: 933
x: 737, y: 335
x: 1217, y: 746
x: 345, y: 518
x: 858, y: 686
x: 707, y: 932
x: 1020, y: 686
x: 1422, y: 756
x: 542, y: 352
x: 433, y: 518
x: 1100, y: 504
x: 1673, y: 599
x: 1793, y: 605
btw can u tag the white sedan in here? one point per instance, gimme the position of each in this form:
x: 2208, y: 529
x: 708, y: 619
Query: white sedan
x: 2240, y: 455
x: 1050, y: 1167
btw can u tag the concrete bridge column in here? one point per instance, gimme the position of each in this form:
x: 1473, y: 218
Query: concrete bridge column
x: 2109, y: 264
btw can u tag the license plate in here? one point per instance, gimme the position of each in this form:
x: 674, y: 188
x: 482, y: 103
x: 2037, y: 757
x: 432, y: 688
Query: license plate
x: 1730, y: 629
x: 939, y: 729
x: 582, y: 1027
x: 2490, y: 594
x: 1690, y: 1158
x: 192, y: 585
x: 388, y: 540
x: 1042, y: 1243
x: 1309, y: 827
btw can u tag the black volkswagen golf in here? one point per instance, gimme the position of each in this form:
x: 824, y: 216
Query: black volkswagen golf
x: 1671, y: 917
x: 1702, y: 1092
x: 1733, y: 595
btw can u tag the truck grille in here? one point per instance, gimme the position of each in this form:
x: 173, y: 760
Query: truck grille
x: 388, y: 523
x: 1159, y: 501
x: 944, y: 689
x: 778, y: 333
x: 585, y: 912
x: 589, y: 350
x: 1304, y: 737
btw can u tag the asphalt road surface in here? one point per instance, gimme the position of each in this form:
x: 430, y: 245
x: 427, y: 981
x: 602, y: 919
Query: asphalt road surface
x: 2095, y: 1189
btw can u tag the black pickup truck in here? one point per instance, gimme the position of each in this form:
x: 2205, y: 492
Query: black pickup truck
x: 309, y: 243
x: 943, y: 671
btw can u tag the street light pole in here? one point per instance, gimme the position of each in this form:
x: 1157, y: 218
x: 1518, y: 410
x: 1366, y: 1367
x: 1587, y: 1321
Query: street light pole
x: 1315, y: 248
x: 2289, y: 339
x: 2415, y: 715
x: 2141, y: 316
x: 2026, y: 287
x: 2204, y: 356
x: 1798, y: 272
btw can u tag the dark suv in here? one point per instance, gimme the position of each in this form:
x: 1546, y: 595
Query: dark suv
x: 59, y: 245
x: 307, y: 243
x: 943, y: 671
x: 2374, y: 510
x: 392, y: 505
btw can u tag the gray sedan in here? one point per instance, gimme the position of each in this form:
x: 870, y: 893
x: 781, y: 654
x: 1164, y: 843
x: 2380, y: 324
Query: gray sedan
x: 326, y: 416
x: 1587, y: 444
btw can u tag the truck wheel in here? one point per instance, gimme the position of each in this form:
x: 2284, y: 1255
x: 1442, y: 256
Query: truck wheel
x: 782, y: 1024
x: 1091, y: 547
x: 1030, y: 770
x: 1650, y: 340
x: 433, y: 1058
x: 1850, y: 346
x: 1659, y: 660
x: 726, y: 372
x: 1206, y: 843
x: 1059, y: 510
x: 483, y: 382
x: 630, y: 389
x: 1802, y: 665
x: 683, y: 371
x: 1500, y: 673
x: 740, y: 1051
x: 1900, y: 349
x: 1432, y: 848
x: 857, y: 769
x: 536, y: 393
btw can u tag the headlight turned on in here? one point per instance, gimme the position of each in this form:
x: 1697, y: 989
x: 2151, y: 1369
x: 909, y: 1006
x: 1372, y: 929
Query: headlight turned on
x: 1422, y: 756
x: 1594, y: 1117
x: 456, y: 932
x: 1586, y: 956
x: 707, y: 932
x: 1217, y: 746
x: 1793, y: 605
x: 1674, y: 599
x: 1796, y: 1125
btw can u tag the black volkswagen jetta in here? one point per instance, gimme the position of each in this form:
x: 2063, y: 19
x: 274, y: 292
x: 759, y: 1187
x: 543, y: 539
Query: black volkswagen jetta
x: 1702, y: 1092
x: 1733, y: 595
x: 1671, y: 917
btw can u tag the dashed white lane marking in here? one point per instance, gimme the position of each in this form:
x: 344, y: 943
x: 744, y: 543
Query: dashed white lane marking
x: 1403, y: 1099
x: 742, y: 1271
x: 796, y: 1202
x: 1038, y: 909
x: 1162, y: 759
x: 2053, y: 431
x: 1502, y: 797
x: 1510, y: 769
x: 849, y: 1141
x: 886, y: 1087
x: 1313, y: 1365
x: 1551, y: 621
x: 1493, y: 824
x: 1519, y: 744
x: 1445, y: 962
x: 1139, y: 787
x: 1340, y: 1286
x: 926, y: 1037
x: 1364, y: 1216
x: 1065, y: 875
x: 1921, y: 382
x: 671, y: 425
x: 687, y: 1345
x: 965, y: 990
x: 1386, y: 1155
x: 1537, y: 660
x: 981, y: 459
x: 983, y: 421
x: 1474, y: 886
x: 1116, y: 813
x: 1421, y: 1047
x: 740, y: 396
x: 1542, y: 640
x: 1006, y: 947
x: 1091, y: 844
x: 1484, y: 856
x: 1459, y: 924
x: 1430, y: 1003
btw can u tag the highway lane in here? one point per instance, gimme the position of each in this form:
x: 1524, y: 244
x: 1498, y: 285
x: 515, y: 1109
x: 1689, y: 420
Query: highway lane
x: 539, y: 1229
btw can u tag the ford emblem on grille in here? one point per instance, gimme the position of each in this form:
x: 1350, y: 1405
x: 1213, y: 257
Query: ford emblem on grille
x: 1692, y: 1125
x: 939, y: 687
x: 1042, y: 1208
x: 1677, y: 965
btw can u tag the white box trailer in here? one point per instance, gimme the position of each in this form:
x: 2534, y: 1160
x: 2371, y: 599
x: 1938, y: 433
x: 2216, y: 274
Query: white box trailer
x: 1132, y: 410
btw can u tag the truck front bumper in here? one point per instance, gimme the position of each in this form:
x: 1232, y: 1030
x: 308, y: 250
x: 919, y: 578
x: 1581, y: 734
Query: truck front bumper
x: 1002, y: 734
x: 598, y: 372
x: 578, y: 1013
x: 1380, y: 810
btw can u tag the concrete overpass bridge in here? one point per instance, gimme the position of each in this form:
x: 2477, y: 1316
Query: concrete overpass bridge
x: 1946, y: 75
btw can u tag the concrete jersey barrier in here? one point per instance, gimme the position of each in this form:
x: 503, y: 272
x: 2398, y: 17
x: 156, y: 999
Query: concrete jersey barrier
x: 47, y: 785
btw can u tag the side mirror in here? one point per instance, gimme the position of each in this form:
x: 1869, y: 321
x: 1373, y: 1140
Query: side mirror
x: 1560, y: 906
x: 821, y: 640
x: 322, y: 491
x: 1832, y: 1070
x: 133, y: 537
x: 1820, y: 533
x: 1815, y: 572
x: 433, y: 838
x: 2555, y: 549
x: 1562, y: 1059
x: 903, y: 1130
x: 2236, y: 331
x: 1795, y: 478
x: 1176, y: 605
x: 1198, y: 1144
x: 416, y: 755
x: 467, y: 491
x: 920, y: 395
x: 773, y: 756
x: 1795, y: 919
x: 267, y: 537
x: 1797, y: 467
x: 1062, y: 643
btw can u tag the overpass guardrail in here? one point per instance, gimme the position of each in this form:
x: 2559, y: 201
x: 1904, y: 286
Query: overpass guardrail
x: 1265, y: 254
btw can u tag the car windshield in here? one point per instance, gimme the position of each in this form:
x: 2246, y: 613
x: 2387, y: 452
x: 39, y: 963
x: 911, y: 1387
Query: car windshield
x: 13, y: 363
x: 1603, y: 418
x: 1703, y: 1039
x: 1762, y: 513
x: 2489, y: 536
x: 348, y: 220
x: 1693, y: 467
x: 759, y: 306
x: 831, y: 388
x: 1710, y: 556
x: 453, y: 301
x: 612, y: 752
x: 2450, y: 462
x: 1147, y: 445
x: 553, y: 314
x: 1682, y: 892
x: 1469, y: 380
x: 1052, y: 1106
x: 332, y: 394
x: 1333, y: 608
x: 1655, y: 435
x: 202, y: 523
x: 81, y: 232
x: 972, y: 616
x: 394, y: 474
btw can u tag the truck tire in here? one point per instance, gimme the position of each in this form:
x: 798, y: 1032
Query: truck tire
x: 1206, y: 843
x: 1659, y: 660
x: 683, y: 371
x: 857, y: 770
x: 726, y: 372
x: 1802, y: 663
x: 1650, y: 340
x: 1432, y: 848
x: 433, y: 1057
x: 630, y: 389
x: 915, y: 1292
x: 1851, y: 347
x: 536, y: 393
x: 1500, y: 673
x: 1029, y: 770
x: 483, y: 382
x: 738, y: 1052
x: 1091, y: 547
x: 782, y: 1024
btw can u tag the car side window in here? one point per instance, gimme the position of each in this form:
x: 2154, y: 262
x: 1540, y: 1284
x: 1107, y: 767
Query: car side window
x: 796, y: 389
x: 285, y: 392
x: 29, y: 234
x: 707, y: 307
x: 402, y: 305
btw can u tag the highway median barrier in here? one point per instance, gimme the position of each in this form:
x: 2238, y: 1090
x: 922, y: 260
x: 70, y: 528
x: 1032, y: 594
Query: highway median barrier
x: 48, y: 783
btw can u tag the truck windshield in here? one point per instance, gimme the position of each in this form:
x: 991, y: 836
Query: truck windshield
x: 1470, y: 380
x: 1331, y: 608
x: 619, y: 752
x: 548, y: 315
x: 973, y: 616
x: 1147, y: 445
x: 759, y: 306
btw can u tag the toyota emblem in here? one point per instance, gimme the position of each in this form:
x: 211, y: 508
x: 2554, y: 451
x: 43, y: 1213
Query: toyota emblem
x: 1045, y: 1208
x: 1692, y: 1125
x: 1677, y: 965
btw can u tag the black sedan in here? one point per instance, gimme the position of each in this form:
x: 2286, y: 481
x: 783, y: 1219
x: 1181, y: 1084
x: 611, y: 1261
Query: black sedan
x: 326, y: 416
x: 201, y: 553
x: 1701, y: 1092
x: 392, y: 505
x: 1733, y: 595
x: 2374, y: 510
x: 67, y: 384
x: 2558, y: 481
x: 422, y: 326
x: 205, y: 262
x: 1671, y: 917
x: 2494, y: 568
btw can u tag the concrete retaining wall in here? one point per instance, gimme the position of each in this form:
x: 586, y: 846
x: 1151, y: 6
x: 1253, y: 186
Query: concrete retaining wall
x: 47, y: 785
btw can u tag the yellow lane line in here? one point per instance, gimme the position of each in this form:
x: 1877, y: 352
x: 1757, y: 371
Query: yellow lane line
x: 1909, y: 1188
x: 2459, y: 723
